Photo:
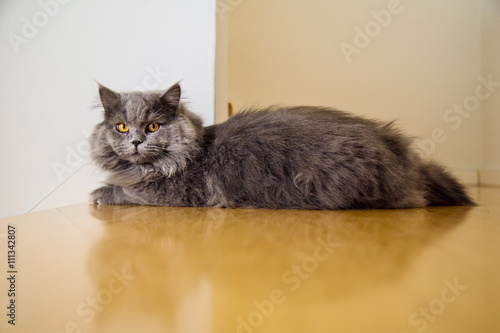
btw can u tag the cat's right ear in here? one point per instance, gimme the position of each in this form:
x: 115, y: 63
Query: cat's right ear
x: 109, y: 99
x: 172, y: 96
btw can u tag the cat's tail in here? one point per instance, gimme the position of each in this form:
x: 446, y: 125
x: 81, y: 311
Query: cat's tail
x: 443, y: 189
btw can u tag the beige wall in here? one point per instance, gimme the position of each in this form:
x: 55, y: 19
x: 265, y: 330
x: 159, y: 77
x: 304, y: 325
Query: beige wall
x: 419, y: 65
x: 491, y: 107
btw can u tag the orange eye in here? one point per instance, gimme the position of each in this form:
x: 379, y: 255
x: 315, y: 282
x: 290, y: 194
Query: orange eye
x: 153, y: 127
x: 122, y: 128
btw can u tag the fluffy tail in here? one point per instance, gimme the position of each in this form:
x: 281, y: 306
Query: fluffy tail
x: 442, y: 189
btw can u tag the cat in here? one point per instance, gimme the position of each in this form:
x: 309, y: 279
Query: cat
x: 157, y: 152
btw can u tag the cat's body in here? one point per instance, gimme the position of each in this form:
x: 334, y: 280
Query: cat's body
x: 158, y: 153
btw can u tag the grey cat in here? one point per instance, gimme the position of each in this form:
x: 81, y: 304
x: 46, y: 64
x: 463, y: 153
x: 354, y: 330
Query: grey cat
x: 158, y: 153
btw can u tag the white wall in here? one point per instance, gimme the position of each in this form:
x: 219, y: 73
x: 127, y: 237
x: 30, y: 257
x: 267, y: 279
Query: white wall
x: 490, y: 49
x: 47, y: 82
x: 412, y: 61
x: 221, y: 74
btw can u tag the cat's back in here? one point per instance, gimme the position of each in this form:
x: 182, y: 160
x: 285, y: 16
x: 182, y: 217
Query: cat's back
x: 300, y: 157
x: 291, y: 123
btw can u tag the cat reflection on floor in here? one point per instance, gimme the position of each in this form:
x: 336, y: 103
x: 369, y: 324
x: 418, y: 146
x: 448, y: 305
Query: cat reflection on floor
x: 241, y: 255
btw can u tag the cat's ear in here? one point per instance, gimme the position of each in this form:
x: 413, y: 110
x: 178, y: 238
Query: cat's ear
x: 109, y: 99
x: 172, y: 96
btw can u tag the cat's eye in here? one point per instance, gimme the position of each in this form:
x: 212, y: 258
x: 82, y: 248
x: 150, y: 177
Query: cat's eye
x: 153, y: 127
x: 122, y: 128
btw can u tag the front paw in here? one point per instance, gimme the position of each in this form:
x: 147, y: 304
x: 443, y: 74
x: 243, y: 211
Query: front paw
x: 103, y: 196
x: 147, y: 169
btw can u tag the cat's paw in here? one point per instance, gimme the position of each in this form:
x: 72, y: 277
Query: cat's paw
x: 168, y: 170
x: 147, y: 169
x: 103, y: 196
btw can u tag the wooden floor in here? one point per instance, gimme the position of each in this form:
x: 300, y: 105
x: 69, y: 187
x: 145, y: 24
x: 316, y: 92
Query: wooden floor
x: 136, y: 269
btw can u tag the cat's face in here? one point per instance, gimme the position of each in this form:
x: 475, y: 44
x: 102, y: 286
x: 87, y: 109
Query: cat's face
x: 138, y: 123
x: 144, y: 128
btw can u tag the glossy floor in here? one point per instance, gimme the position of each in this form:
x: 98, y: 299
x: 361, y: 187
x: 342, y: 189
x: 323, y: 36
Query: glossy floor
x: 84, y: 268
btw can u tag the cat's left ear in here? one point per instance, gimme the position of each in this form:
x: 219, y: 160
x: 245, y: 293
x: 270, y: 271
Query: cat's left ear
x: 172, y: 96
x: 109, y: 99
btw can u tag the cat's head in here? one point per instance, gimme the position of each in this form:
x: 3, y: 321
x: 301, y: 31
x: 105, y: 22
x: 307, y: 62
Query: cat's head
x: 150, y: 129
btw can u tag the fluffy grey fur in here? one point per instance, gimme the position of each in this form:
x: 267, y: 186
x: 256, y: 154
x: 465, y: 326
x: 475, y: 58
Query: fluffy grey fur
x: 297, y: 157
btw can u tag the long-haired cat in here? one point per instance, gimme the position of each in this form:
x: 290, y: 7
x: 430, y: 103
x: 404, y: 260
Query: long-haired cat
x: 158, y: 153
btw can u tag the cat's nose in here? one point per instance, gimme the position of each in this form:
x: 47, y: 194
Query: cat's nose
x: 136, y: 143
